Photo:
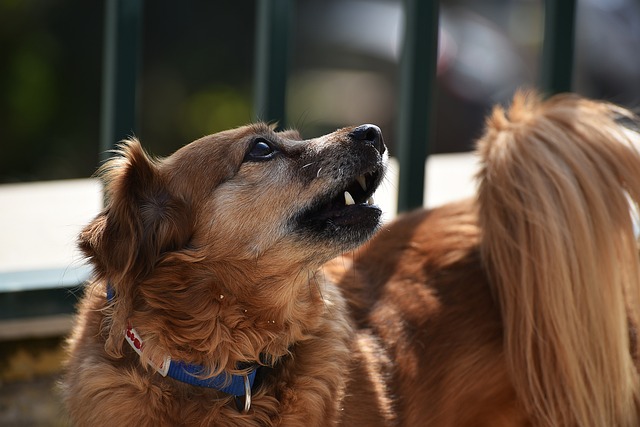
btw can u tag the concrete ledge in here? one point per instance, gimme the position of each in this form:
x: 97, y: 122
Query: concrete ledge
x: 39, y: 223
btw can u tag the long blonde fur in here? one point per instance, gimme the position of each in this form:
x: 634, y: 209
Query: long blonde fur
x: 556, y: 180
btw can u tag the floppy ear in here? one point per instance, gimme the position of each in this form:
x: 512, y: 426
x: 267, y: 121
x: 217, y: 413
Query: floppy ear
x: 141, y: 219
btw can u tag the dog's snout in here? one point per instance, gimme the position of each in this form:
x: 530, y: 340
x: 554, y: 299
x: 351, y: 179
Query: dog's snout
x: 369, y: 134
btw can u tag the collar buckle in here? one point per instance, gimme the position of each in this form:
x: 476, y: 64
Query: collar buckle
x: 244, y: 409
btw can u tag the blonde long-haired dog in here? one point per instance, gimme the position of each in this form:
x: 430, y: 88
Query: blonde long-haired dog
x: 216, y: 302
x: 559, y: 246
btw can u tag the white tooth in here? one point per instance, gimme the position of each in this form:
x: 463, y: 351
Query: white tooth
x: 348, y: 199
x: 363, y: 182
x: 370, y: 200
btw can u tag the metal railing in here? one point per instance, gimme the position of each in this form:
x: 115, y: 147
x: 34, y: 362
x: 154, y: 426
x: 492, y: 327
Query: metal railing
x: 122, y: 47
x: 273, y: 52
x: 418, y: 70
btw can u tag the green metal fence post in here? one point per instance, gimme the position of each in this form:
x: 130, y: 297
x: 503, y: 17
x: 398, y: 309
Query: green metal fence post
x: 558, y: 46
x: 123, y: 24
x: 417, y: 98
x: 272, y: 55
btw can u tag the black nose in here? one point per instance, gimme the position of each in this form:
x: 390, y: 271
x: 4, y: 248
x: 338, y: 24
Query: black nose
x: 369, y: 134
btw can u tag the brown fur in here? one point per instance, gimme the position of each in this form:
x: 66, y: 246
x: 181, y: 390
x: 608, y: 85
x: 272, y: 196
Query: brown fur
x: 515, y: 309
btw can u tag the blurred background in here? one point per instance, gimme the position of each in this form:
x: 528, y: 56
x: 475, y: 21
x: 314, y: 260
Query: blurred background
x: 196, y: 78
x: 197, y: 70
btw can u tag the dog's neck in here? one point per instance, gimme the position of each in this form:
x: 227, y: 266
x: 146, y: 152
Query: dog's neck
x: 232, y: 384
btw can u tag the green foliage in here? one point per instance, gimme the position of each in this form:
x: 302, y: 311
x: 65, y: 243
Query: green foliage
x: 195, y: 79
x: 215, y: 109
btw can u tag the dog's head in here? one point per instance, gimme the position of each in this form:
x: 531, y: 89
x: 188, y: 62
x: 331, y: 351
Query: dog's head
x: 231, y: 211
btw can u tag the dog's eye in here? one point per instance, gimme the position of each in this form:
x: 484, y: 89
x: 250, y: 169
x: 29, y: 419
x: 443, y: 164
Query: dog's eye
x: 260, y: 150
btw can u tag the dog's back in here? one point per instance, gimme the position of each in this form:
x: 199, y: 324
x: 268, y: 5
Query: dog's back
x: 519, y: 307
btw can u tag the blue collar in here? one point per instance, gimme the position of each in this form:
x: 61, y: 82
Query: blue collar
x: 237, y: 385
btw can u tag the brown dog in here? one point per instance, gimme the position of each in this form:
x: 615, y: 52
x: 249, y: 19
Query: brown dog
x: 211, y: 304
x: 210, y: 258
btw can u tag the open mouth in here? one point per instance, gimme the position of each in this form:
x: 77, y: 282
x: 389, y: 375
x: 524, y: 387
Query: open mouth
x: 350, y: 206
x: 357, y: 193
